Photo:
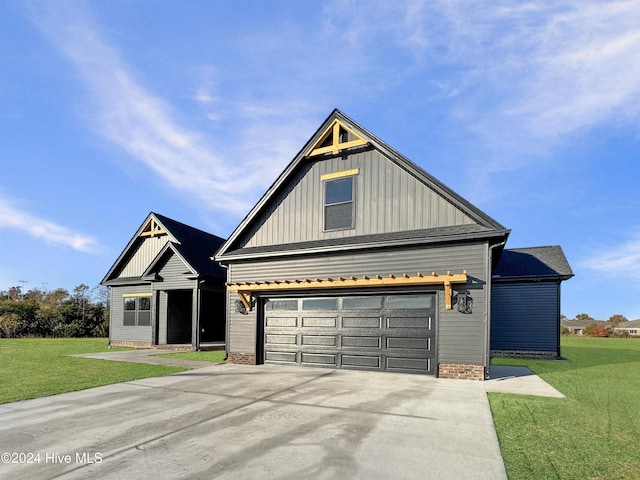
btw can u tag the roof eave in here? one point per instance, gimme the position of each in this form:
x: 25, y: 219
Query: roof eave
x: 330, y: 248
x: 530, y: 278
x: 116, y: 282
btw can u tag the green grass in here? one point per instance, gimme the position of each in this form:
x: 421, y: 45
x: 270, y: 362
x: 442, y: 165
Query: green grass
x: 594, y: 433
x: 214, y: 356
x: 37, y: 367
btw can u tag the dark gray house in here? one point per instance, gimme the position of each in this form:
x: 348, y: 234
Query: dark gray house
x: 164, y: 288
x: 357, y: 258
x: 525, y: 317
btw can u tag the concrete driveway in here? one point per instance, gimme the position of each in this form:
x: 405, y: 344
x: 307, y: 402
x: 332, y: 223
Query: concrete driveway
x: 256, y: 422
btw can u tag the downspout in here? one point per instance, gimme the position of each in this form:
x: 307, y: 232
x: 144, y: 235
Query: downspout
x: 226, y: 313
x: 110, y: 313
x: 487, y: 339
x: 558, y: 353
x: 198, y: 313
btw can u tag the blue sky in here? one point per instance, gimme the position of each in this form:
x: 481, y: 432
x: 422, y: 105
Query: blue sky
x: 110, y: 110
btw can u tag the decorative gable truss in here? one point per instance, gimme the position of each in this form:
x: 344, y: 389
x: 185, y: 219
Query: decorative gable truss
x: 336, y: 138
x: 153, y: 228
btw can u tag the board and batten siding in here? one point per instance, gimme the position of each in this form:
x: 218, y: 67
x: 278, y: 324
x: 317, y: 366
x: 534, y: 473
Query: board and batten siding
x: 460, y: 336
x: 388, y: 199
x: 525, y: 316
x: 119, y: 332
x: 146, y: 252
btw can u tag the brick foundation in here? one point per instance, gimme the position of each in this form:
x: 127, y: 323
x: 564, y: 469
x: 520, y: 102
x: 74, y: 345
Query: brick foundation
x: 525, y: 354
x: 145, y: 345
x: 116, y: 343
x: 461, y: 371
x: 242, y: 358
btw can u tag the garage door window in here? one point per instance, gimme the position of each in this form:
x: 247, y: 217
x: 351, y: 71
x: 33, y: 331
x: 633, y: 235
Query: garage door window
x: 319, y: 304
x: 410, y: 302
x: 362, y: 303
x: 286, y: 305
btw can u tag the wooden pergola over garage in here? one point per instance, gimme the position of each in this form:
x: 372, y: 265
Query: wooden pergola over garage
x: 246, y: 290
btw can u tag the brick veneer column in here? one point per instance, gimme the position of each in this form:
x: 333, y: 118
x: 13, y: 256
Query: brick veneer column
x: 461, y: 371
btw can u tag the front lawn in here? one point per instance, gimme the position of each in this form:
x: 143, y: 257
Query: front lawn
x: 594, y: 433
x: 36, y: 367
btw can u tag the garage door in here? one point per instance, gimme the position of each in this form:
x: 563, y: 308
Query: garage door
x: 371, y: 332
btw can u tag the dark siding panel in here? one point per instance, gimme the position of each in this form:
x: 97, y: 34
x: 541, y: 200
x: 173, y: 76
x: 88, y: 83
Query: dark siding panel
x: 117, y: 331
x: 525, y: 316
x: 388, y: 199
x: 242, y: 328
x: 461, y: 337
x: 162, y: 317
x: 174, y: 273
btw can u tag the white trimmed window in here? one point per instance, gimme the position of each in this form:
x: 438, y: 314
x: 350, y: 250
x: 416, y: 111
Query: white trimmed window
x: 137, y: 310
x: 339, y: 202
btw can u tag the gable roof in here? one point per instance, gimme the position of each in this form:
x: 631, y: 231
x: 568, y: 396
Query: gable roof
x: 533, y: 263
x: 192, y: 245
x: 629, y: 324
x: 325, y: 141
x: 575, y: 323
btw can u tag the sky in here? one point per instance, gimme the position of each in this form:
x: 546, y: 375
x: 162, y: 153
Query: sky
x: 111, y: 110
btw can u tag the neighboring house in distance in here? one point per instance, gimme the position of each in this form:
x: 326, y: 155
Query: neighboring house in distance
x: 164, y: 288
x: 575, y: 327
x: 526, y: 302
x: 632, y: 327
x: 357, y: 258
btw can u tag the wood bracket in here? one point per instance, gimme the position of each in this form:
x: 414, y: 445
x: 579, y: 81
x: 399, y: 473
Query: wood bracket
x: 245, y: 298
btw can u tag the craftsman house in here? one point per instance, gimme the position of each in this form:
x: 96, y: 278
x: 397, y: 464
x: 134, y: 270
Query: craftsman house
x: 357, y: 258
x: 165, y: 290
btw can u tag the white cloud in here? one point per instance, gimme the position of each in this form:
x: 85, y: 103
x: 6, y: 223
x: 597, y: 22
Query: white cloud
x: 140, y: 123
x: 612, y: 260
x: 42, y: 229
x: 538, y: 70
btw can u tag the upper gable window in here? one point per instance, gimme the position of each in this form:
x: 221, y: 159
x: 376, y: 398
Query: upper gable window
x: 339, y: 204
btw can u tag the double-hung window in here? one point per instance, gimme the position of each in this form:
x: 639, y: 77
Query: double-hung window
x: 339, y: 204
x: 137, y: 311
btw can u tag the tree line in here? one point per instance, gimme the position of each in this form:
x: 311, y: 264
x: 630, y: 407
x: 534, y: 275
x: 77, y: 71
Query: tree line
x: 56, y: 313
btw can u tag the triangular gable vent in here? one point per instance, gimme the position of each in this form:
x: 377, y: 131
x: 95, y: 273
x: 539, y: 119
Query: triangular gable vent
x: 152, y: 229
x: 335, y: 138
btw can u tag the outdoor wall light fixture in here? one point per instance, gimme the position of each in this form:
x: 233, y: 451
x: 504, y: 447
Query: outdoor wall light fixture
x: 240, y: 308
x: 465, y: 302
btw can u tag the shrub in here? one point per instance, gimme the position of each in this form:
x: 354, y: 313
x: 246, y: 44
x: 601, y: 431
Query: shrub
x: 9, y: 324
x: 596, y: 330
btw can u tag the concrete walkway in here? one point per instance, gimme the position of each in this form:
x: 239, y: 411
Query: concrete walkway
x: 519, y: 380
x: 146, y: 356
x: 257, y: 422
